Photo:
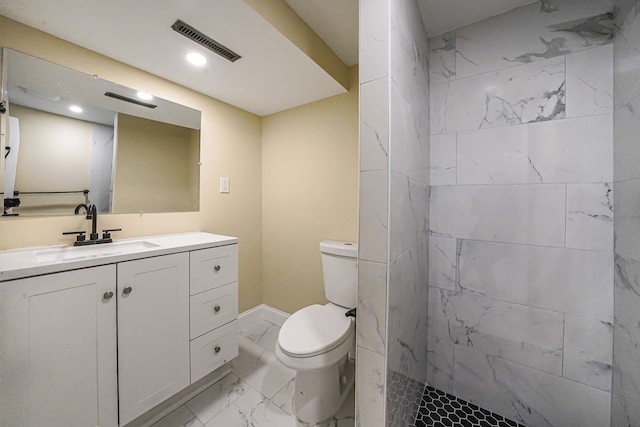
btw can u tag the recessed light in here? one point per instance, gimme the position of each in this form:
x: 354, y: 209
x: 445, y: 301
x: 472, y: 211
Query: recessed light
x: 144, y: 95
x: 75, y: 109
x: 196, y: 59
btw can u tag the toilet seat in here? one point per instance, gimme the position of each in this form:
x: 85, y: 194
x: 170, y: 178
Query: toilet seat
x: 314, y: 330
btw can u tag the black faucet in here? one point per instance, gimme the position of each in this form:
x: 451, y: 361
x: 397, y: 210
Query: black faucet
x: 92, y: 214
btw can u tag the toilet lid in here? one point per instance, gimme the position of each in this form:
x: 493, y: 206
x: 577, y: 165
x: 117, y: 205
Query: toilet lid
x: 313, y: 330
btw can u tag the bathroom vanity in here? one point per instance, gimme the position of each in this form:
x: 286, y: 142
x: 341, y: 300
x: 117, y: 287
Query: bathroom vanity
x: 97, y: 336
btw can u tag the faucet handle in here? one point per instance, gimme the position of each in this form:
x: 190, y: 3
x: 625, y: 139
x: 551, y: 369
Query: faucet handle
x: 106, y: 234
x: 81, y: 235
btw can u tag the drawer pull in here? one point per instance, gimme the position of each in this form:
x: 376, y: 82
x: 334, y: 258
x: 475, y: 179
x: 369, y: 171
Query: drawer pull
x: 217, y: 267
x: 217, y: 349
x: 216, y: 308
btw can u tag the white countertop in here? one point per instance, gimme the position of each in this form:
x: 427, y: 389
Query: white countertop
x: 35, y: 261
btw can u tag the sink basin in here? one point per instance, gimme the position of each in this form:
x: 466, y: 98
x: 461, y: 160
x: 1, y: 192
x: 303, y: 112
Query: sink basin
x: 77, y: 253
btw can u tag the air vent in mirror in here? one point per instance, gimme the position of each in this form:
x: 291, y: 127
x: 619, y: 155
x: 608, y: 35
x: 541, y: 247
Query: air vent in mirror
x: 127, y: 99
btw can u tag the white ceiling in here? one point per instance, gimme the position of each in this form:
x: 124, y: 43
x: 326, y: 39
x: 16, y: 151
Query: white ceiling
x: 335, y: 22
x: 272, y: 76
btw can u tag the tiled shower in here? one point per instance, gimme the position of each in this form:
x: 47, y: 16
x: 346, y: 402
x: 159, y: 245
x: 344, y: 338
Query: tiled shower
x: 488, y: 164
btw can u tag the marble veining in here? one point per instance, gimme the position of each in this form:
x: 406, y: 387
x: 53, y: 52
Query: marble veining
x: 373, y: 49
x: 573, y: 26
x: 371, y: 324
x: 410, y: 138
x: 561, y: 151
x: 589, y: 82
x: 443, y: 159
x: 528, y: 214
x: 590, y: 216
x: 627, y: 127
x: 626, y: 352
x: 443, y: 262
x: 522, y: 94
x: 571, y: 281
x: 440, y: 363
x: 409, y: 151
x: 588, y: 351
x: 408, y: 216
x: 529, y: 336
x: 527, y: 395
x: 373, y: 215
x: 552, y: 48
x: 548, y: 105
x: 594, y: 30
x: 407, y: 317
x: 234, y: 402
x: 374, y: 126
x: 370, y: 393
x: 521, y: 264
x: 442, y: 59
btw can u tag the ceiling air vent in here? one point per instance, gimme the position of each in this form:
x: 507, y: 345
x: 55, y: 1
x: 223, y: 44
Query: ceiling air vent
x: 127, y: 99
x: 191, y: 33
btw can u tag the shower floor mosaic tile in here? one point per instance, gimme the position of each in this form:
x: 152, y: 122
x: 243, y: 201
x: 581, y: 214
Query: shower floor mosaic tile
x: 404, y: 396
x: 440, y: 409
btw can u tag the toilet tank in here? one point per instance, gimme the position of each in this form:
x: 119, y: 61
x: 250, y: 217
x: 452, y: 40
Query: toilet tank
x: 339, y: 269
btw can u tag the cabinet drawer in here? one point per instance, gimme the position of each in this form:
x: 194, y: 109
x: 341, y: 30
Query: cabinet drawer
x: 213, y: 308
x: 213, y: 267
x: 214, y: 349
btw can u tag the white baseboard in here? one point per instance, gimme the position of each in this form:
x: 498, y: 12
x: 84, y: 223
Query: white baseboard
x: 273, y: 315
x: 262, y: 312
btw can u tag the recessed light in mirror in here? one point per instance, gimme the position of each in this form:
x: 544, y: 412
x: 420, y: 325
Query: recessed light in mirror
x: 144, y: 96
x: 75, y: 109
x: 196, y: 59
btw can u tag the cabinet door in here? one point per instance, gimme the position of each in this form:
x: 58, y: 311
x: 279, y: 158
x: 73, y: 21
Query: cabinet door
x: 58, y: 350
x: 153, y: 332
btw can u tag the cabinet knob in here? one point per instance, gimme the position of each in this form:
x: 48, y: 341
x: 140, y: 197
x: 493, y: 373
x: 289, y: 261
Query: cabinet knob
x: 127, y: 290
x: 216, y: 308
x: 217, y: 349
x: 107, y: 295
x: 217, y: 268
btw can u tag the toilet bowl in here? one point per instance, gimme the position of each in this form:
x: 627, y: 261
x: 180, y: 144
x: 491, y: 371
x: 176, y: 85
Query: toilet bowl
x: 318, y: 341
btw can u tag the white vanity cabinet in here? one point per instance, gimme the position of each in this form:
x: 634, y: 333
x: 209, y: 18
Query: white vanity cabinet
x: 58, y: 349
x: 153, y: 332
x: 214, y: 308
x: 99, y: 341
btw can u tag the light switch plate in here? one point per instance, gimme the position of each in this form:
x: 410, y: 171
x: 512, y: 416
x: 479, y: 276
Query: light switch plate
x: 224, y: 184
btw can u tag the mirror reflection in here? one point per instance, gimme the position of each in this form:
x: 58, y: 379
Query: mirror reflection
x: 71, y: 138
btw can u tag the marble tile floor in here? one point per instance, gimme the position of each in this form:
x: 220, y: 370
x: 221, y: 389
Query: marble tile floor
x: 257, y: 393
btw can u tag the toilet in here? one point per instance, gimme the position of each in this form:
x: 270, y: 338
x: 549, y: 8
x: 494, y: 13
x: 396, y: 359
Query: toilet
x: 318, y: 341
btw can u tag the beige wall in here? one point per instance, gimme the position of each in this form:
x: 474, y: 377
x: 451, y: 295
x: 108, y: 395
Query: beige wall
x: 54, y: 155
x: 310, y: 193
x: 296, y: 188
x: 154, y: 166
x: 230, y: 146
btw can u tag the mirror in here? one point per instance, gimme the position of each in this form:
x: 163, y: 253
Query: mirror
x: 69, y: 138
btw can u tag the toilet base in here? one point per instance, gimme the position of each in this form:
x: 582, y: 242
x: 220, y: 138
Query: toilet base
x: 319, y: 394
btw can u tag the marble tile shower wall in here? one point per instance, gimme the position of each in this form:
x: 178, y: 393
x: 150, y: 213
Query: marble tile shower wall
x: 521, y: 248
x: 408, y: 213
x: 373, y: 212
x: 626, y: 353
x: 394, y: 210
